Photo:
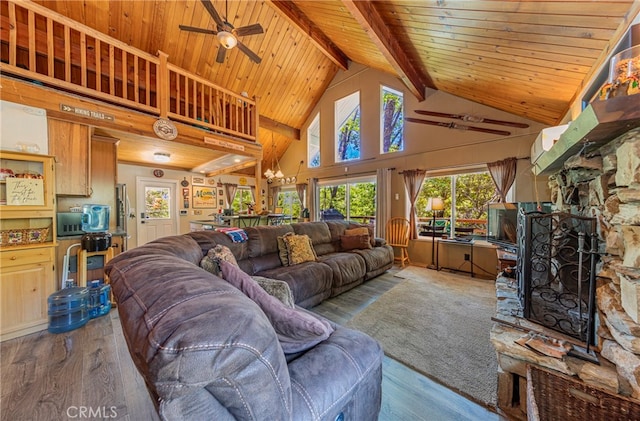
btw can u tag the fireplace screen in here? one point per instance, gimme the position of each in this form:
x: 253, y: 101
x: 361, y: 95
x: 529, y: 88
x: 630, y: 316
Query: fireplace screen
x: 556, y: 272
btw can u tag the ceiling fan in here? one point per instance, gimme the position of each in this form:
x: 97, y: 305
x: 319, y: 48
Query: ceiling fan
x: 226, y: 33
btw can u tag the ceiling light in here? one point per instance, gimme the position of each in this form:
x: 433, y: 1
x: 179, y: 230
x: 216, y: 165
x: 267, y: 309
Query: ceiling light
x: 161, y: 157
x: 227, y: 39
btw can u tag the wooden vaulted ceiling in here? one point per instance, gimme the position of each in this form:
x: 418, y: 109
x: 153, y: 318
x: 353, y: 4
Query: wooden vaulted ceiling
x: 529, y: 58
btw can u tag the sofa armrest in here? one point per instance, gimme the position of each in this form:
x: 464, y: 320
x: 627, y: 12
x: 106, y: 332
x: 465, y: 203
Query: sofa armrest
x: 200, y: 344
x: 379, y: 242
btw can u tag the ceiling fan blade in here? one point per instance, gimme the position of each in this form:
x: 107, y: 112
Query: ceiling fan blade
x: 221, y: 54
x: 199, y: 30
x: 214, y: 14
x: 254, y: 29
x: 253, y: 56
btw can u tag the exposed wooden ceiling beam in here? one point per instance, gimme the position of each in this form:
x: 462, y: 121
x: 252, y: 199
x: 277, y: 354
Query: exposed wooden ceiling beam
x: 317, y: 37
x: 280, y: 128
x: 371, y: 21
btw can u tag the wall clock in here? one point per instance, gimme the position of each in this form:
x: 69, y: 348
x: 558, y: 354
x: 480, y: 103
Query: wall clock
x: 158, y: 173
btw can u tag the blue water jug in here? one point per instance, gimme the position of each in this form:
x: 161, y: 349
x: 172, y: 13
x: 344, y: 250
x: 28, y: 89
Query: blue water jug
x: 99, y: 299
x: 68, y: 309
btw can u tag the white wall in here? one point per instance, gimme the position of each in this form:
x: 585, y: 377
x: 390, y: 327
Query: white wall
x: 127, y: 175
x: 427, y: 147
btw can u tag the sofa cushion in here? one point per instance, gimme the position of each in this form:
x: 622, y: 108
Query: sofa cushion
x: 297, y: 330
x: 320, y: 236
x: 352, y: 242
x: 362, y: 229
x: 299, y: 249
x: 211, y: 262
x: 264, y: 239
x: 377, y: 258
x: 348, y: 270
x: 276, y: 288
x: 310, y: 282
x: 283, y: 253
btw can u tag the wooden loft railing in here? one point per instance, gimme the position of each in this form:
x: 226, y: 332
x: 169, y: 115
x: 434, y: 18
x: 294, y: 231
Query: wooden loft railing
x: 45, y: 47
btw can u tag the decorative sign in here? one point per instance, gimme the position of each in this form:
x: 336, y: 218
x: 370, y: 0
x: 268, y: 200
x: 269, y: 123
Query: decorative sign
x: 197, y: 180
x: 223, y: 144
x: 25, y: 191
x: 204, y: 197
x: 165, y: 129
x: 242, y: 181
x: 86, y: 113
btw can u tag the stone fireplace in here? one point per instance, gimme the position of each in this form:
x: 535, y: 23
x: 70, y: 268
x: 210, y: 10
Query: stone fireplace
x: 604, y: 185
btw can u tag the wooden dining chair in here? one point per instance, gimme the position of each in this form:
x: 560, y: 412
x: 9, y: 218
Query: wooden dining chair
x: 397, y: 231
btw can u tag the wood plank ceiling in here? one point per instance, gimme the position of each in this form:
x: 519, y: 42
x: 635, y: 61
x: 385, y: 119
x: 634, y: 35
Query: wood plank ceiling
x: 529, y: 58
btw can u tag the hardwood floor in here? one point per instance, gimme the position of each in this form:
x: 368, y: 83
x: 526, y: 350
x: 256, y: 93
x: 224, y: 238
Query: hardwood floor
x: 56, y: 377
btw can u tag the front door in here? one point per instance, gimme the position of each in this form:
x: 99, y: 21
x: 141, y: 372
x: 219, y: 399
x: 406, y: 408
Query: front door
x: 157, y: 209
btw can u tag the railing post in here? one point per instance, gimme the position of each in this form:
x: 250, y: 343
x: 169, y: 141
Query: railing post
x: 163, y: 84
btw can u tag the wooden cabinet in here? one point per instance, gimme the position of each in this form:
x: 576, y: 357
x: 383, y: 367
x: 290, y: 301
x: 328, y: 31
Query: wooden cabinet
x: 70, y: 144
x: 104, y: 173
x: 26, y: 281
x: 27, y: 247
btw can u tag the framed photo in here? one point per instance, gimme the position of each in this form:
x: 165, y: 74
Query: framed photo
x: 220, y: 192
x: 204, y: 197
x: 221, y: 202
x: 197, y: 180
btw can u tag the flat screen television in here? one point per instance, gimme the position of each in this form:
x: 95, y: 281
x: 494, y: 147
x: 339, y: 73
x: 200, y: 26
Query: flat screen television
x: 502, y: 221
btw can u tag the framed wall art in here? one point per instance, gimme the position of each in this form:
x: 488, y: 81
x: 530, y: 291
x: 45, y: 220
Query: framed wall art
x: 204, y: 197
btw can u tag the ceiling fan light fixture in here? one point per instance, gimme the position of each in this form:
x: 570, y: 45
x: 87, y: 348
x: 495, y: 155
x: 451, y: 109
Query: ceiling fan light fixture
x: 227, y: 40
x: 161, y: 157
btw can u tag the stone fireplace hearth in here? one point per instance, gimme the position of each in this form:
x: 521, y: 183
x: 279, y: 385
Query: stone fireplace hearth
x: 604, y: 185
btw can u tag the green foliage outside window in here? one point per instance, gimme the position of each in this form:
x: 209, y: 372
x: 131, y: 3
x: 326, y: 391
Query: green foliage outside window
x: 392, y: 121
x: 240, y: 200
x: 474, y: 191
x: 362, y: 198
x: 157, y: 203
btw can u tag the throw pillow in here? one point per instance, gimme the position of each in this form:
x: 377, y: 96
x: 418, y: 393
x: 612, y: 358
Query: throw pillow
x: 352, y: 242
x: 216, y: 254
x: 300, y: 249
x: 363, y: 230
x: 283, y: 253
x: 276, y: 288
x: 297, y: 330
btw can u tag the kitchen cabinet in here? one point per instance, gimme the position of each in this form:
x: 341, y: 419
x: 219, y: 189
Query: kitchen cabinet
x: 70, y: 144
x: 104, y: 174
x: 28, y: 242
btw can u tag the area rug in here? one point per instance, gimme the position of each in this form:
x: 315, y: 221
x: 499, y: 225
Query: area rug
x: 438, y: 324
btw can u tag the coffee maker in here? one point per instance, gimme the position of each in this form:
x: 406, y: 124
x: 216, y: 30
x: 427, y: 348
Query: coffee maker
x: 95, y: 224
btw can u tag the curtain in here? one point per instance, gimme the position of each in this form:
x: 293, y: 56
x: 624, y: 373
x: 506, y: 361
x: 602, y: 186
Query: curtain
x: 503, y: 174
x: 301, y: 189
x: 312, y: 198
x: 413, y: 182
x: 229, y: 193
x: 253, y: 193
x: 383, y: 200
x: 274, y: 195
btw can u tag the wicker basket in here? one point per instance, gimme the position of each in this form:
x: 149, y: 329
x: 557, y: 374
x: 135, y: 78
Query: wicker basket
x: 21, y: 237
x: 553, y: 396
